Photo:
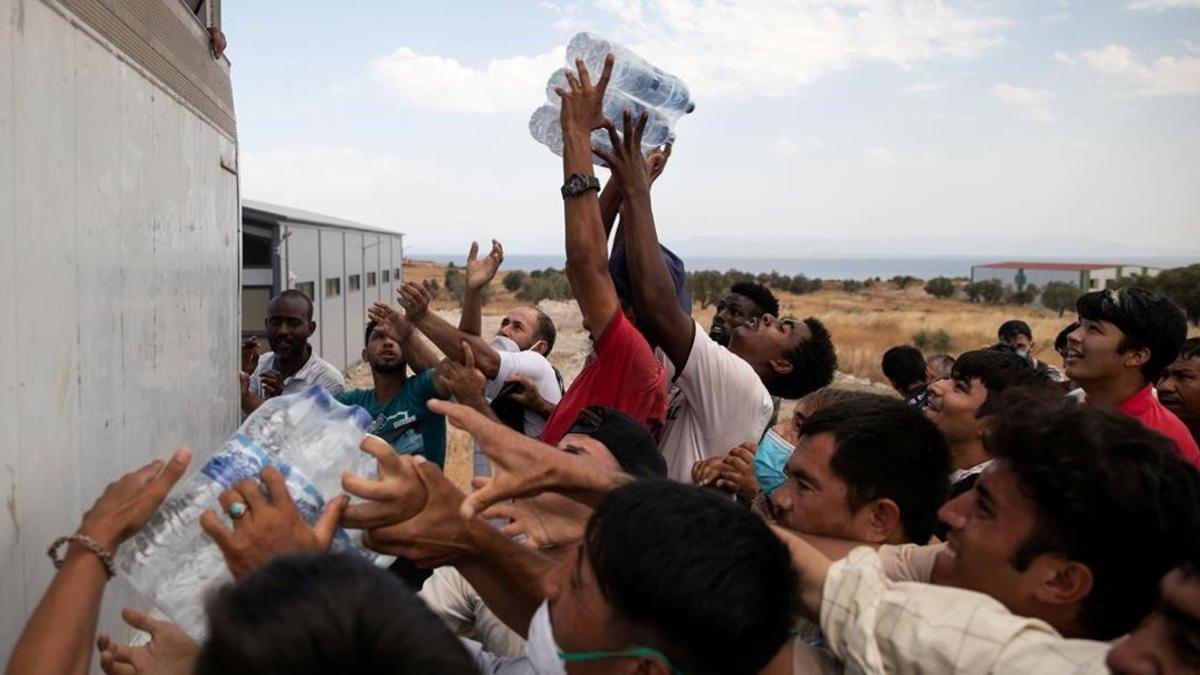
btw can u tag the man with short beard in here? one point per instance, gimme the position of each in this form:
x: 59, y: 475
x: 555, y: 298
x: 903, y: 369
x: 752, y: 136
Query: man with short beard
x: 1179, y: 386
x: 291, y: 365
x: 397, y: 403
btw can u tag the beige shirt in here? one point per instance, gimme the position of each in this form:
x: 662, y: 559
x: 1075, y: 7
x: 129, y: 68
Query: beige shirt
x: 460, y: 607
x: 877, y: 625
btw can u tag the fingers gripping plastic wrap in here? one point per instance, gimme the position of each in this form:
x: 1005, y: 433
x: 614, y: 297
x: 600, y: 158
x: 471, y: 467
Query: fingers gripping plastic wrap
x: 311, y: 438
x: 635, y: 85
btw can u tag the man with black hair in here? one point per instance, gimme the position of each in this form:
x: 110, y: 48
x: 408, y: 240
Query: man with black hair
x: 746, y: 301
x: 1179, y: 386
x: 291, y: 365
x: 721, y: 398
x: 868, y: 469
x: 396, y: 403
x: 648, y: 589
x: 1125, y: 339
x: 548, y: 522
x: 904, y: 367
x: 1066, y: 535
x: 1018, y: 335
x: 960, y: 404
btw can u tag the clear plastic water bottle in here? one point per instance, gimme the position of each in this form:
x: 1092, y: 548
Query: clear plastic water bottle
x: 635, y: 85
x: 308, y: 436
x: 632, y: 74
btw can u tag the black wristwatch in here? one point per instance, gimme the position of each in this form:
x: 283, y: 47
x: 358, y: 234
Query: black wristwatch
x: 579, y: 183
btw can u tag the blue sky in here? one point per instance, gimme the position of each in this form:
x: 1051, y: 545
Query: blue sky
x: 1065, y: 128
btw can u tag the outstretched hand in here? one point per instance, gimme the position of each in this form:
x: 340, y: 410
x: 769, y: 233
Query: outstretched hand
x: 463, y: 380
x: 169, y: 652
x: 630, y: 170
x: 480, y: 272
x: 412, y: 510
x: 128, y: 503
x: 545, y: 520
x: 393, y: 321
x: 524, y: 467
x: 583, y: 104
x: 415, y: 299
x: 272, y: 525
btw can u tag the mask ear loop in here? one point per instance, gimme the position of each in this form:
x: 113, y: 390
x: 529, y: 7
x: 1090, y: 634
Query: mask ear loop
x: 568, y: 657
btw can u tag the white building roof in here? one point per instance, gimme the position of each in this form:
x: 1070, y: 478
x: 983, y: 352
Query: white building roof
x: 278, y: 212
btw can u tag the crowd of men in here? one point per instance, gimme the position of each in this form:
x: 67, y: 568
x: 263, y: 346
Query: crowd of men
x: 1003, y: 515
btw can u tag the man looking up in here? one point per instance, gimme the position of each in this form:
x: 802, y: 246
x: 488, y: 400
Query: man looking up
x: 904, y: 367
x: 291, y: 365
x: 959, y: 405
x: 396, y: 404
x: 1179, y: 386
x: 722, y: 397
x: 868, y: 469
x: 746, y: 301
x: 623, y: 373
x: 526, y: 328
x: 1125, y: 339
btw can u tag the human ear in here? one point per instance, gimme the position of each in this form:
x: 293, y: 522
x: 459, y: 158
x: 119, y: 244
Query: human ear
x: 882, y: 520
x: 1066, y: 581
x: 781, y: 366
x: 1136, y: 358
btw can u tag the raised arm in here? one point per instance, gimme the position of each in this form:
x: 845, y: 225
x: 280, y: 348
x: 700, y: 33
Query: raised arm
x: 479, y: 274
x: 58, y: 637
x: 444, y: 336
x: 610, y: 196
x: 659, y: 316
x: 587, y: 248
x: 417, y: 354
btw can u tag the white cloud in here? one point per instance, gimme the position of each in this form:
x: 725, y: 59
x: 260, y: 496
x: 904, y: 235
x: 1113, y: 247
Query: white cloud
x: 924, y: 87
x: 1054, y: 17
x: 341, y: 181
x: 1163, y: 4
x: 880, y: 155
x: 1031, y: 104
x: 759, y: 47
x: 1166, y: 76
x: 443, y: 83
x: 1064, y: 58
x: 786, y: 146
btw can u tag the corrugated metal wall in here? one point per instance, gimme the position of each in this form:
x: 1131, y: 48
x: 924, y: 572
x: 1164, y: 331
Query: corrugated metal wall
x: 119, y: 269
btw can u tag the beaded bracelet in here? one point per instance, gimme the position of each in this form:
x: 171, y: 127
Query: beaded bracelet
x: 88, y: 543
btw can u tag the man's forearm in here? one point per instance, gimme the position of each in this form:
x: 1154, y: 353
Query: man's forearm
x: 449, y: 339
x: 418, y: 354
x: 250, y: 403
x: 507, y: 575
x: 480, y: 405
x: 471, y: 321
x: 811, y: 565
x: 587, y: 249
x: 653, y: 290
x: 610, y: 207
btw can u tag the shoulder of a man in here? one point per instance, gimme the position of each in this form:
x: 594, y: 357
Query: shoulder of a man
x: 909, y: 562
x: 715, y: 376
x: 875, y: 624
x: 326, y: 374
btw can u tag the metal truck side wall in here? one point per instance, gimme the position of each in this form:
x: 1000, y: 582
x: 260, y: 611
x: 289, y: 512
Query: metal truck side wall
x: 119, y: 253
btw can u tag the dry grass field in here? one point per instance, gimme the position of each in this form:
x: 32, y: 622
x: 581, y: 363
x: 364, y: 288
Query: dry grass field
x: 863, y: 325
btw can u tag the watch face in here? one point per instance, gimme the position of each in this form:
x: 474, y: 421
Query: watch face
x: 576, y: 183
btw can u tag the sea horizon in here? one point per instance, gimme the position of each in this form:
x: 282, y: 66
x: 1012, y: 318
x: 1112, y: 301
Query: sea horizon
x: 922, y: 267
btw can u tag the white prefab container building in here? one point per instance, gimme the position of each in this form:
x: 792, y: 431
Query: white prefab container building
x: 119, y: 255
x: 342, y: 266
x: 1087, y: 276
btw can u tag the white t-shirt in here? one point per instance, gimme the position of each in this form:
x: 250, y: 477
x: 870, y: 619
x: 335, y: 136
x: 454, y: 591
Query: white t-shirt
x: 534, y: 366
x: 315, y: 371
x: 717, y: 403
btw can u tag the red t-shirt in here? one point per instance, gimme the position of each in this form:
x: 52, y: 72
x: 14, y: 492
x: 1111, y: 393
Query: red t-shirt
x: 623, y: 375
x: 1145, y: 407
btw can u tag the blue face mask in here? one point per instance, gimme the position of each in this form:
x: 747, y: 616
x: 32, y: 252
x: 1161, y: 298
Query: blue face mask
x: 769, y: 460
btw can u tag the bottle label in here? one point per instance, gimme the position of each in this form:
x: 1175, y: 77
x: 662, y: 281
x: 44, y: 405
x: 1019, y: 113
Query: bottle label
x: 242, y: 458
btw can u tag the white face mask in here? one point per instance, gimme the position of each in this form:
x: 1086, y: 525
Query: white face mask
x: 540, y: 647
x: 503, y: 344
